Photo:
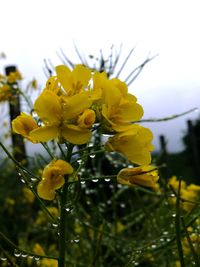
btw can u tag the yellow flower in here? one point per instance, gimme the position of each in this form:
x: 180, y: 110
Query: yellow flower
x: 134, y: 143
x: 59, y: 116
x: 146, y: 176
x: 14, y: 77
x: 53, y: 178
x: 38, y: 249
x: 87, y: 118
x: 42, y: 217
x: 44, y: 262
x: 48, y: 263
x: 5, y: 93
x: 189, y: 194
x: 119, y: 108
x: 75, y: 81
x: 23, y: 125
x: 28, y: 195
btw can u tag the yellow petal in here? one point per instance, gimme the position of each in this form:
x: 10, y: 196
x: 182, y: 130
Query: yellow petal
x: 23, y: 125
x: 64, y: 166
x: 64, y: 77
x: 48, y: 107
x: 87, y: 118
x: 145, y: 176
x: 76, y: 135
x: 45, y: 192
x: 135, y: 144
x: 75, y: 105
x: 81, y: 77
x: 45, y: 133
x: 131, y: 112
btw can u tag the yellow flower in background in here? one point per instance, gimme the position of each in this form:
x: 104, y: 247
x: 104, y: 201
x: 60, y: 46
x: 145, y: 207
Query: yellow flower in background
x: 53, y: 178
x: 14, y: 76
x: 59, y: 116
x: 44, y: 262
x: 23, y: 125
x: 75, y: 81
x: 195, y: 240
x: 43, y: 218
x: 28, y: 195
x: 146, y: 176
x: 5, y: 93
x: 189, y: 194
x: 135, y: 144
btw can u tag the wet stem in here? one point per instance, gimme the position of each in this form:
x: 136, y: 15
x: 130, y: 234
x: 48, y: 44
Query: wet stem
x: 62, y: 230
x: 63, y: 216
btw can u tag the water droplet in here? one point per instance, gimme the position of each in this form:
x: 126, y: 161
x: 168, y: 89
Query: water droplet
x: 17, y: 253
x: 162, y: 239
x: 19, y: 173
x: 33, y: 179
x: 23, y: 181
x: 79, y: 161
x: 55, y: 225
x: 122, y: 205
x: 31, y: 256
x: 82, y: 182
x: 37, y: 258
x: 165, y: 233
x: 76, y: 240
x: 92, y: 156
x: 95, y: 180
x: 153, y: 246
x: 3, y: 258
x: 172, y: 195
x: 107, y: 179
x: 174, y: 215
x: 24, y: 255
x: 69, y: 209
x: 109, y: 202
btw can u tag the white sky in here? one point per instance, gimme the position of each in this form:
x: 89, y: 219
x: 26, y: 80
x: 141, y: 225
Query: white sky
x: 170, y: 84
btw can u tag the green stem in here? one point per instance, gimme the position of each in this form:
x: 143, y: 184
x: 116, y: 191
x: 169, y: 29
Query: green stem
x: 63, y: 217
x: 26, y: 99
x: 46, y: 147
x: 178, y: 227
x: 21, y: 167
x: 62, y: 230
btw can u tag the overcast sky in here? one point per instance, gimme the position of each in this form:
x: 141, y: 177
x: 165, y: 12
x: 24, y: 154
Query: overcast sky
x: 170, y: 84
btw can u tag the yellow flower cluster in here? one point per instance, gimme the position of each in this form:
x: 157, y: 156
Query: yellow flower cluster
x: 71, y: 104
x: 74, y: 100
x: 195, y: 241
x: 6, y: 82
x: 14, y: 76
x: 189, y: 194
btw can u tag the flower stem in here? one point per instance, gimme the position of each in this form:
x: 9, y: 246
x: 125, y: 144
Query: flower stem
x: 63, y: 216
x: 62, y: 228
